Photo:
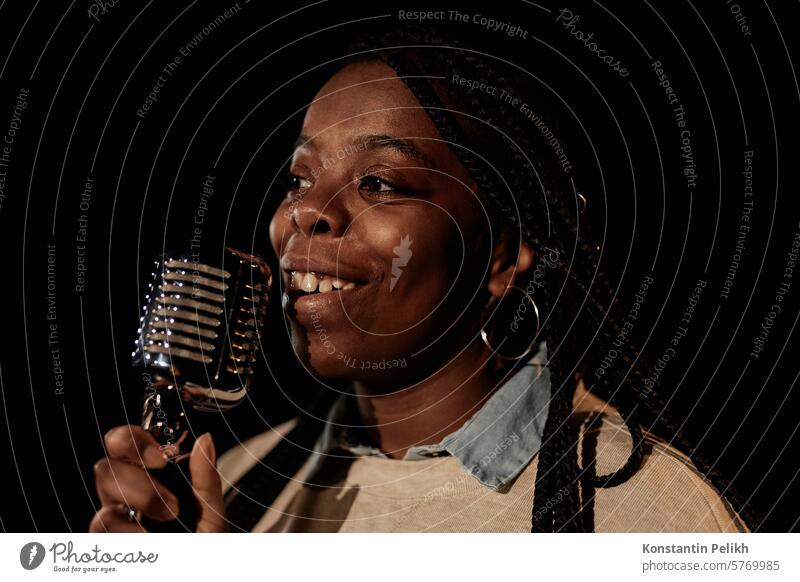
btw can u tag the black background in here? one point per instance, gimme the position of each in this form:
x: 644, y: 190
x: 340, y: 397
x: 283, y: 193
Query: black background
x: 232, y: 108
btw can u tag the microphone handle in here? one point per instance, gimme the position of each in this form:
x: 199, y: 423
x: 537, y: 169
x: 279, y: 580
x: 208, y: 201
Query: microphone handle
x: 197, y: 349
x: 174, y: 425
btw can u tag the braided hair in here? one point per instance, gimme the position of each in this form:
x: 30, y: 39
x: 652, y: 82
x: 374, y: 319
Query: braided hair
x: 519, y: 173
x: 529, y: 191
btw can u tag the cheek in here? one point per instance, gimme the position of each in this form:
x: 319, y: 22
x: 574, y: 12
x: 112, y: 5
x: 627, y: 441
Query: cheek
x: 426, y: 254
x: 279, y: 227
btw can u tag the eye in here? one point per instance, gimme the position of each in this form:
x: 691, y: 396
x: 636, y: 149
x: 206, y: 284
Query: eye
x: 382, y: 190
x: 296, y: 184
x: 376, y: 185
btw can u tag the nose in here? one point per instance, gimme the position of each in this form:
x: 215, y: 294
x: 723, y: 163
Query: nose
x: 318, y: 214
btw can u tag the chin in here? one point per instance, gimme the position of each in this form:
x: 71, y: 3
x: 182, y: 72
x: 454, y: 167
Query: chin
x: 319, y: 354
x: 329, y: 356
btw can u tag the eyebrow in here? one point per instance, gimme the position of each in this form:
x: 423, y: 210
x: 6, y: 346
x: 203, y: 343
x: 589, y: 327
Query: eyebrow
x: 377, y: 141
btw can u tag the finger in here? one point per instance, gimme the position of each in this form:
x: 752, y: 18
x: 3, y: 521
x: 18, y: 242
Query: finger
x: 119, y: 482
x: 114, y: 519
x: 135, y: 445
x: 207, y: 486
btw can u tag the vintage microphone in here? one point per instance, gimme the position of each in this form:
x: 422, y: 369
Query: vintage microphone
x: 197, y: 347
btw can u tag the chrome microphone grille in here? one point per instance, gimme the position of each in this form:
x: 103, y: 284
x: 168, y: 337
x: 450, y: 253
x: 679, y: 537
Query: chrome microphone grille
x: 201, y: 325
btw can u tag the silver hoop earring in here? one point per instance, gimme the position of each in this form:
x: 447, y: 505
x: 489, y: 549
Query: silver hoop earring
x: 485, y: 334
x: 582, y: 202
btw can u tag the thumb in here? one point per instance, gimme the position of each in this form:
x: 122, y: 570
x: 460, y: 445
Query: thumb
x: 207, y: 486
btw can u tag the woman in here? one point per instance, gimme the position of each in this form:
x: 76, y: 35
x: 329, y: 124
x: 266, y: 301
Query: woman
x: 433, y: 257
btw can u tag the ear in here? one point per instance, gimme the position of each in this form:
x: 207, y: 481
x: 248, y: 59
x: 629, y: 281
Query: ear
x: 511, y: 257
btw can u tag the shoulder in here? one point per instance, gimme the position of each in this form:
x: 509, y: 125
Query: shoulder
x: 668, y: 493
x: 234, y: 463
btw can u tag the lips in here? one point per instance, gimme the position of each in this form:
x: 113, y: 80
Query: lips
x: 357, y: 270
x: 308, y: 278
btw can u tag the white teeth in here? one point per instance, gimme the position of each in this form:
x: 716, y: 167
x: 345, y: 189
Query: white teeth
x: 311, y: 282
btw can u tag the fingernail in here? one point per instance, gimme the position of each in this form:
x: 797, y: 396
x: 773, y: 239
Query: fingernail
x: 152, y: 456
x: 211, y: 449
x: 207, y: 444
x: 170, y: 453
x: 198, y: 444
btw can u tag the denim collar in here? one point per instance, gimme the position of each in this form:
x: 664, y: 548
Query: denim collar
x: 493, y: 446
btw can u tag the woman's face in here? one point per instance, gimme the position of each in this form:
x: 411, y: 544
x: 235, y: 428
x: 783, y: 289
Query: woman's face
x: 382, y: 239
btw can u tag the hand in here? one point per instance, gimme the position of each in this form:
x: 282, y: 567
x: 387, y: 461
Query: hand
x: 122, y: 481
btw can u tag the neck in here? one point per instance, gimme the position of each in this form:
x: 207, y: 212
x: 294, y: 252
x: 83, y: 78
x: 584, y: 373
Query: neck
x: 430, y: 410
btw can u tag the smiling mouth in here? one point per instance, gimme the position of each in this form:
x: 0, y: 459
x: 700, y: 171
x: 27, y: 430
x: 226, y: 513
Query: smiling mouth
x: 307, y: 283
